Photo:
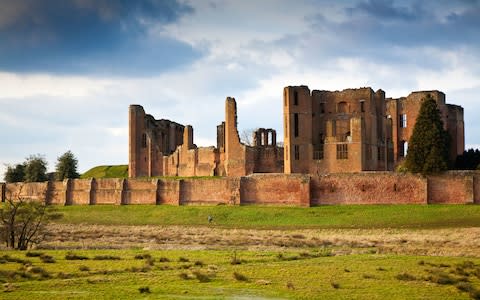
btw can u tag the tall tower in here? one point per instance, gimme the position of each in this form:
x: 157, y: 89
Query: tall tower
x: 137, y: 142
x: 297, y: 112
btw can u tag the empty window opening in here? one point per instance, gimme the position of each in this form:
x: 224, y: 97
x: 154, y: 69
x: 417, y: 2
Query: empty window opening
x: 144, y: 140
x: 403, y: 121
x: 295, y: 125
x: 295, y: 98
x: 297, y: 152
x: 403, y: 149
x: 322, y: 108
x: 362, y: 105
x: 342, y: 151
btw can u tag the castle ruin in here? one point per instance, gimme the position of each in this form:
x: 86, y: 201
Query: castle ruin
x: 325, y: 132
x: 331, y: 140
x: 166, y: 148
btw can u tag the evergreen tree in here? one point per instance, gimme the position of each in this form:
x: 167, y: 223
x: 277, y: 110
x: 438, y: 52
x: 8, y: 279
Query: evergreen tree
x: 15, y: 173
x: 469, y: 160
x: 35, y: 169
x: 66, y: 166
x: 429, y: 144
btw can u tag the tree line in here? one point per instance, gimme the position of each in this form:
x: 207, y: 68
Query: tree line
x: 34, y: 169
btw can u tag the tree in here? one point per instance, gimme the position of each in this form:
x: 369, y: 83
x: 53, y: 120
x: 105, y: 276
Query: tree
x: 66, y: 166
x: 15, y: 173
x: 246, y: 136
x: 469, y: 160
x: 23, y: 223
x: 35, y: 169
x: 429, y: 144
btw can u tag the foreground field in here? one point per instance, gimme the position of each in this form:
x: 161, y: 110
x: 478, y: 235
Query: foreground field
x: 173, y: 274
x: 351, y: 216
x: 249, y: 252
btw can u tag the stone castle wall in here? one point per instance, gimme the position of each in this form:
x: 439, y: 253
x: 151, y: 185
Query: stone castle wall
x: 259, y: 189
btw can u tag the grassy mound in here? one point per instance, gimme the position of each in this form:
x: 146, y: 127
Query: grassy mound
x: 120, y: 171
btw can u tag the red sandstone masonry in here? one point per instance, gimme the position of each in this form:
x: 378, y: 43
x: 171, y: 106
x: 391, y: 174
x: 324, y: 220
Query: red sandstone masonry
x: 265, y: 189
x: 168, y: 192
x: 275, y: 189
x: 107, y: 191
x: 206, y: 191
x: 80, y: 192
x: 451, y: 188
x: 141, y: 191
x: 368, y: 188
x: 57, y: 192
x: 476, y: 188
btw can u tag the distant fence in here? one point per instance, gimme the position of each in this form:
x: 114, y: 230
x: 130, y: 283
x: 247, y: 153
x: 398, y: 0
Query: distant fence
x: 260, y: 189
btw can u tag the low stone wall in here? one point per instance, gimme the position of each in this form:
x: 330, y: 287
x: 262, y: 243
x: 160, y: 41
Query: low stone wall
x: 264, y: 189
x: 452, y: 188
x: 275, y: 189
x: 368, y: 188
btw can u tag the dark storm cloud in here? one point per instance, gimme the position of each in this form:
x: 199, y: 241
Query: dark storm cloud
x: 397, y: 32
x: 88, y: 36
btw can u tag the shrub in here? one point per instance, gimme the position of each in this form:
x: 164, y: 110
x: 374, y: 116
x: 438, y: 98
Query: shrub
x: 335, y: 285
x: 184, y: 276
x: 465, y: 287
x: 40, y: 271
x: 62, y: 275
x: 144, y: 290
x: 198, y: 263
x: 442, y: 278
x: 405, y: 277
x: 183, y: 259
x: 47, y: 259
x: 143, y: 256
x: 84, y: 268
x: 239, y: 276
x: 72, y: 256
x: 106, y: 257
x: 202, y: 277
x: 163, y: 259
x: 33, y: 254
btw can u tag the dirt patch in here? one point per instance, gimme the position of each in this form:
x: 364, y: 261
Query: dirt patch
x: 442, y: 242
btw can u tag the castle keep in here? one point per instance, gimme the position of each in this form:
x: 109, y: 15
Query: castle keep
x: 353, y: 130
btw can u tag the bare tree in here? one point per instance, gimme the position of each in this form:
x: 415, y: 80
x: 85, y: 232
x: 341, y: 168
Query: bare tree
x: 24, y: 222
x: 246, y: 136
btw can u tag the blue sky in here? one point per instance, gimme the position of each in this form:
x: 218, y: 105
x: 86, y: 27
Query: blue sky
x: 70, y: 68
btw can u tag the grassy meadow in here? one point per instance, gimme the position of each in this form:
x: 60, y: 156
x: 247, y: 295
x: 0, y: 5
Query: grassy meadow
x: 348, y: 216
x: 251, y: 252
x: 173, y: 274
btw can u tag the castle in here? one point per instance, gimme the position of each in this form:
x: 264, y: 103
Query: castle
x: 337, y: 147
x: 353, y: 130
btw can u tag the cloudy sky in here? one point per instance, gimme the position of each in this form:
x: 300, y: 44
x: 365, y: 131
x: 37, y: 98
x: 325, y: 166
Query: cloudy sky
x: 70, y: 68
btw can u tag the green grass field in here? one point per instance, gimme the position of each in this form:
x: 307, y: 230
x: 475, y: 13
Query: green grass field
x: 352, y: 216
x: 119, y: 171
x: 121, y: 274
